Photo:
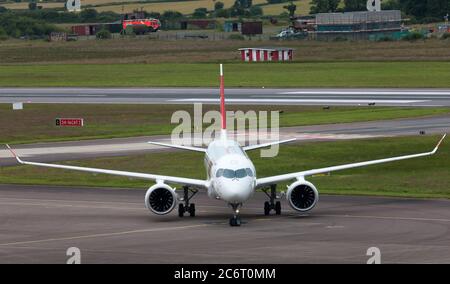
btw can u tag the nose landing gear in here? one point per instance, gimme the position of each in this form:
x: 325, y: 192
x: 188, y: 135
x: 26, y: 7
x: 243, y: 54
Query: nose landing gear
x: 235, y: 220
x: 187, y: 207
x: 271, y: 204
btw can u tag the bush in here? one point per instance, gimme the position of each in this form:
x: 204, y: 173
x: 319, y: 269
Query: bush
x: 3, y: 35
x: 445, y: 36
x: 103, y: 34
x: 15, y: 26
x: 200, y: 13
x: 223, y: 13
x: 236, y: 37
x: 385, y: 38
x: 413, y: 36
x: 340, y: 38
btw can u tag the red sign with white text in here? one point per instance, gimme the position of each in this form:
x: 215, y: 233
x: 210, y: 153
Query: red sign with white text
x: 77, y: 122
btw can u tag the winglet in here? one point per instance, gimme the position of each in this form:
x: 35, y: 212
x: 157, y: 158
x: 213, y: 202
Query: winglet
x: 439, y: 144
x: 14, y: 154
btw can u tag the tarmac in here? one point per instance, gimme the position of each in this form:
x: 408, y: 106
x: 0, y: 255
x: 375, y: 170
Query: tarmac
x: 38, y: 224
x: 260, y: 96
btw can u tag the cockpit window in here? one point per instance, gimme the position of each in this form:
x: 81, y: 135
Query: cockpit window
x: 227, y: 173
x: 241, y: 173
x: 219, y: 173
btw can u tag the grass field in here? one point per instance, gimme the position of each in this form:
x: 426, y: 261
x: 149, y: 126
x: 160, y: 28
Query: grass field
x: 36, y: 122
x: 423, y: 177
x: 339, y: 74
x: 185, y: 7
x: 143, y: 50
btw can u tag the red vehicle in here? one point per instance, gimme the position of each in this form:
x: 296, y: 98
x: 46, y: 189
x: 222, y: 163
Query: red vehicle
x: 152, y: 24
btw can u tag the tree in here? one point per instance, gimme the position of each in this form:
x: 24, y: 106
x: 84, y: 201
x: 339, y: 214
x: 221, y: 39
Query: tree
x: 243, y: 4
x: 218, y: 6
x: 324, y: 6
x: 200, y: 13
x: 256, y: 11
x: 421, y: 9
x: 355, y: 5
x: 437, y: 8
x: 291, y: 8
x: 88, y: 15
x: 171, y: 15
x: 390, y: 5
x: 223, y: 13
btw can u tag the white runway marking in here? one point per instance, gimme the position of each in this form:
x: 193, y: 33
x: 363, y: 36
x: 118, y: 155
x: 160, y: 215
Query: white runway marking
x: 104, y: 235
x: 322, y: 101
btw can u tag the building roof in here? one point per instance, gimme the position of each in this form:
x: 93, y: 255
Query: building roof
x: 268, y: 48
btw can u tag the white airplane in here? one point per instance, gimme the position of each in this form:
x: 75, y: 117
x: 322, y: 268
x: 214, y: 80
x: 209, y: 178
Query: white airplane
x: 231, y: 177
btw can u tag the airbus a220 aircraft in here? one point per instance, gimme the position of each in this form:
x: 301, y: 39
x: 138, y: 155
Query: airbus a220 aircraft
x: 231, y: 177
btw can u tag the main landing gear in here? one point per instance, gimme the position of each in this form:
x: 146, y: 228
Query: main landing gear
x: 271, y: 204
x: 187, y: 207
x: 235, y: 220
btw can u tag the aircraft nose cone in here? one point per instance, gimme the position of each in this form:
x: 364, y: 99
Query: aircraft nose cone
x: 236, y: 191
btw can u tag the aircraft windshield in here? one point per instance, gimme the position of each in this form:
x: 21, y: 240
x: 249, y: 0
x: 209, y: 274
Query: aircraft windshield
x: 241, y: 173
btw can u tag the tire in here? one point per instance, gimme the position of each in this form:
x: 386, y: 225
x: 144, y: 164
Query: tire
x: 181, y: 210
x: 192, y: 210
x: 235, y: 221
x: 278, y: 208
x: 266, y: 208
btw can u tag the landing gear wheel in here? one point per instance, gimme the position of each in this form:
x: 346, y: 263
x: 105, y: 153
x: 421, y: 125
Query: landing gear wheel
x: 192, y: 210
x: 266, y: 208
x: 278, y: 208
x: 181, y: 210
x: 235, y: 221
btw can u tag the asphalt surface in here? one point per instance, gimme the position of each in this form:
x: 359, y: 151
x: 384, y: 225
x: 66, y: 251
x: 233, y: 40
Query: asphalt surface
x: 336, y: 96
x: 39, y: 224
x: 76, y: 150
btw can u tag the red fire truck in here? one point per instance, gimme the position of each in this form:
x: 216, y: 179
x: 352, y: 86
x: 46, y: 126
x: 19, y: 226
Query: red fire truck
x: 152, y: 25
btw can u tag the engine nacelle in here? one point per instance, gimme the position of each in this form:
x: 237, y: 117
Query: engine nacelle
x: 161, y: 199
x: 302, y: 195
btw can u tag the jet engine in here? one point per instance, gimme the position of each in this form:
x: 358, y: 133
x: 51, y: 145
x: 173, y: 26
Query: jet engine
x: 161, y: 199
x: 302, y: 196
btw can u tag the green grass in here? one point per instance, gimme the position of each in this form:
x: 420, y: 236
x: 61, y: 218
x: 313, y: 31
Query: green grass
x: 422, y: 177
x: 321, y: 74
x: 36, y: 122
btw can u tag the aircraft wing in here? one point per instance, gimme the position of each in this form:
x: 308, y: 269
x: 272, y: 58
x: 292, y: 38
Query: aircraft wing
x: 157, y: 178
x: 299, y: 175
x: 190, y: 148
x: 258, y: 146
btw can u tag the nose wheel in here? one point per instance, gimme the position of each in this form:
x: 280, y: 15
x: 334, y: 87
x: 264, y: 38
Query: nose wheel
x: 271, y: 204
x: 235, y: 220
x: 187, y: 207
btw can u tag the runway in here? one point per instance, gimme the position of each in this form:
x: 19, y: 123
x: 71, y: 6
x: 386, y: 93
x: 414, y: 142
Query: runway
x: 38, y: 224
x: 77, y: 150
x: 277, y: 96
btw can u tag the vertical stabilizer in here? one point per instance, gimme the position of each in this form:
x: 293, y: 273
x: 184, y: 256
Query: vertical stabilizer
x: 223, y: 113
